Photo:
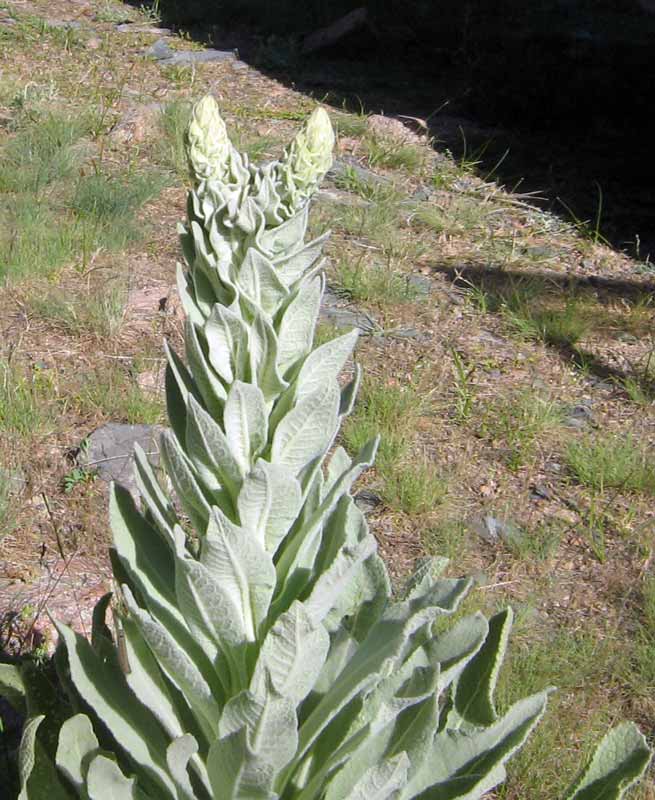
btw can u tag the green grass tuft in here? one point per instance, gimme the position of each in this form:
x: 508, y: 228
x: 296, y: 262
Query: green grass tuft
x: 25, y: 407
x: 99, y: 312
x: 413, y: 487
x: 116, y: 395
x: 612, y: 462
x: 42, y: 152
x: 515, y: 424
x: 170, y: 150
x: 362, y: 281
x: 394, y: 155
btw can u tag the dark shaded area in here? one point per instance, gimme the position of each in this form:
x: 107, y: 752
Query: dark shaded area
x: 525, y: 294
x: 559, y: 94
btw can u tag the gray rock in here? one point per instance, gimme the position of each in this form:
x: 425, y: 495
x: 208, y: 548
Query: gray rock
x: 422, y: 194
x: 344, y: 318
x: 333, y: 313
x: 421, y: 284
x: 340, y: 196
x: 579, y: 416
x: 367, y: 501
x: 12, y: 482
x: 540, y: 492
x: 490, y: 338
x: 110, y: 451
x: 349, y: 165
x: 408, y: 333
x: 133, y: 27
x: 162, y: 52
x: 491, y: 530
x: 65, y: 24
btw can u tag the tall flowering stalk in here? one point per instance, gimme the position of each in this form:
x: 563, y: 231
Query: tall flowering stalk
x: 257, y: 650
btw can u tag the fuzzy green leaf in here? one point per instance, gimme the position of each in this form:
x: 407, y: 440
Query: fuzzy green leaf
x: 268, y: 503
x: 77, y: 743
x: 475, y: 686
x: 619, y: 761
x: 298, y: 323
x: 292, y: 655
x: 306, y: 431
x: 246, y: 423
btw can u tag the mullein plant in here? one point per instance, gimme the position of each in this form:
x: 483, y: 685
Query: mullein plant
x: 256, y: 650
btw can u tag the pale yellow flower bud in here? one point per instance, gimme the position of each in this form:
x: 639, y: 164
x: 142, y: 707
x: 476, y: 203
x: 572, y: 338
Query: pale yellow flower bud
x: 208, y: 145
x: 310, y: 154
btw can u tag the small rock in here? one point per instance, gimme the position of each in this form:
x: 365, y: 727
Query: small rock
x: 390, y: 128
x: 420, y: 284
x: 553, y: 466
x: 94, y: 43
x: 333, y: 314
x: 343, y: 318
x: 628, y: 338
x: 422, y: 194
x: 162, y: 52
x: 367, y: 501
x: 133, y: 27
x: 137, y: 124
x: 64, y: 23
x: 540, y: 492
x: 490, y: 338
x: 579, y: 416
x: 347, y: 165
x: 151, y: 382
x: 12, y: 481
x: 339, y: 196
x: 110, y: 451
x: 491, y: 529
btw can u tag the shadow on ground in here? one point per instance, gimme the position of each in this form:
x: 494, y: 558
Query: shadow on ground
x: 543, y: 118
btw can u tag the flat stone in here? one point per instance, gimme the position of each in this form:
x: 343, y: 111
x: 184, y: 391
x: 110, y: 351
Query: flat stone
x: 137, y: 124
x: 490, y: 338
x: 162, y: 52
x: 133, y: 27
x: 540, y: 492
x: 367, y: 501
x: 346, y: 165
x: 391, y: 128
x: 340, y: 196
x: 344, y: 318
x: 408, y: 333
x: 110, y: 451
x: 422, y: 194
x: 13, y: 480
x: 64, y: 23
x: 579, y: 416
x: 420, y: 284
x: 335, y: 314
x: 491, y: 530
